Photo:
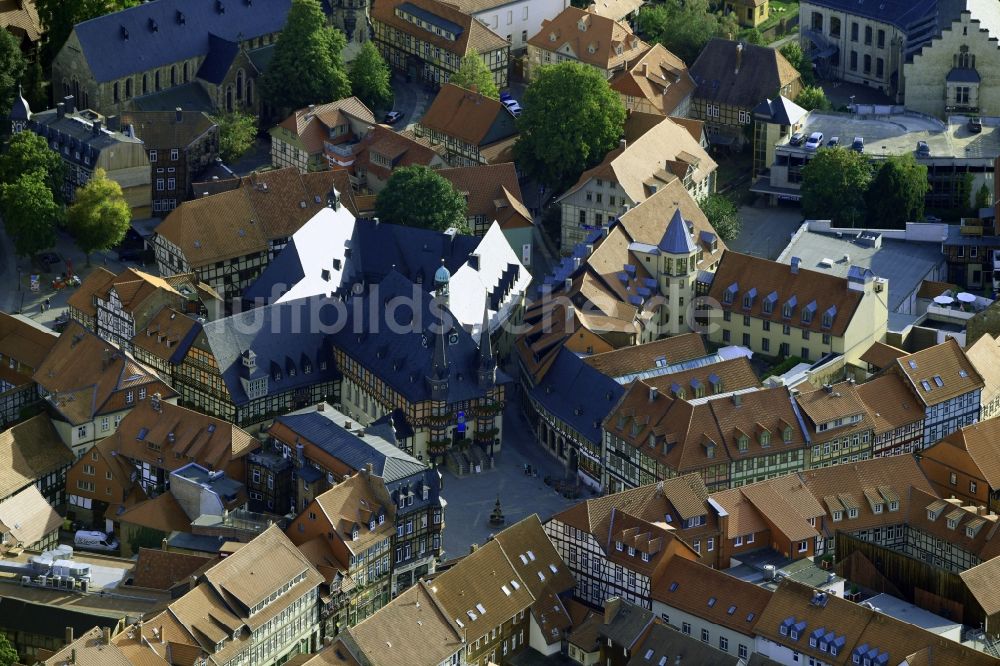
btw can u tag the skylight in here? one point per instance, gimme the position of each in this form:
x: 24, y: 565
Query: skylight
x: 481, y: 609
x: 524, y: 560
x: 912, y: 364
x: 541, y: 576
x: 506, y: 590
x: 711, y: 602
x: 731, y: 610
x: 937, y: 380
x: 674, y: 585
x: 514, y: 584
x: 553, y: 568
x: 531, y: 556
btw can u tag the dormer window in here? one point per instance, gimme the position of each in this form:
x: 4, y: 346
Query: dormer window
x: 371, y: 525
x: 744, y: 443
x: 765, y: 438
x: 893, y: 505
x: 877, y: 508
x: 748, y: 298
x: 852, y: 513
x: 645, y: 557
x: 952, y: 523
x: 631, y: 551
x: 730, y: 294
x: 769, y: 302
x: 786, y: 435
x: 838, y: 516
x: 619, y: 546
x: 828, y: 316
x: 808, y: 312
x: 354, y: 534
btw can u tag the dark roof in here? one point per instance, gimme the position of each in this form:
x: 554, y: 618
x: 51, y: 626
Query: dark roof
x: 403, y: 358
x: 262, y: 57
x: 188, y: 96
x: 376, y: 250
x: 902, y: 13
x: 163, y: 32
x: 76, y: 130
x: 161, y: 129
x: 628, y: 622
x: 676, y: 239
x: 962, y: 75
x: 762, y: 73
x: 18, y: 615
x: 577, y: 394
x: 390, y: 463
x: 260, y: 330
x: 221, y: 53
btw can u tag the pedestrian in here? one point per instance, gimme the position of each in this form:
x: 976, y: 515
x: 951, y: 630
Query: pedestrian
x: 48, y: 303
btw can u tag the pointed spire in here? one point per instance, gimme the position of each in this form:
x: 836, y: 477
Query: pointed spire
x: 677, y: 238
x: 487, y: 362
x: 20, y: 109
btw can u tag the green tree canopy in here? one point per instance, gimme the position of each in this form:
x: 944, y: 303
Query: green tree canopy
x: 834, y: 184
x: 59, y: 17
x: 797, y: 58
x: 8, y: 655
x: 984, y: 198
x: 370, y: 78
x: 307, y: 67
x: 12, y: 68
x: 722, y: 213
x: 685, y: 26
x: 417, y: 196
x: 100, y: 217
x: 571, y: 119
x: 34, y: 86
x: 30, y: 213
x: 237, y: 131
x: 896, y: 193
x: 27, y: 152
x: 473, y: 74
x: 812, y: 97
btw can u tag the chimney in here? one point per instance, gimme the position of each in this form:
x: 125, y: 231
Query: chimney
x: 97, y: 128
x: 107, y: 636
x: 623, y: 143
x: 611, y: 608
x: 347, y: 425
x: 70, y: 103
x: 138, y: 628
x: 113, y: 123
x: 645, y: 68
x: 72, y: 656
x: 473, y: 548
x: 369, y: 469
x: 179, y: 114
x: 739, y: 56
x: 653, y: 393
x: 69, y: 635
x: 737, y: 399
x: 795, y: 265
x: 60, y: 110
x: 321, y: 407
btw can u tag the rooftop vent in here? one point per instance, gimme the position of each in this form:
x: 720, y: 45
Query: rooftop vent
x: 153, y: 27
x: 124, y: 33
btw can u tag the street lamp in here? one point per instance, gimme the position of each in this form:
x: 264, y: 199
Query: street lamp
x: 850, y: 107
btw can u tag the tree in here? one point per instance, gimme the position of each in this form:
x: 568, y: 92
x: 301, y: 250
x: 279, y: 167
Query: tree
x: 59, y: 17
x: 571, y: 119
x: 896, y: 193
x: 307, y: 67
x: 754, y: 36
x: 834, y: 184
x: 237, y: 132
x: 8, y: 655
x: 33, y: 85
x: 30, y: 213
x: 417, y: 196
x: 27, y: 152
x: 722, y: 214
x: 473, y: 74
x: 796, y: 57
x: 370, y: 78
x: 984, y: 198
x: 100, y: 217
x: 685, y: 26
x: 11, y: 71
x: 812, y: 97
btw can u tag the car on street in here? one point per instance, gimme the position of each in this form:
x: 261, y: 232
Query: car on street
x: 513, y: 107
x: 975, y: 124
x: 392, y: 117
x: 923, y: 150
x: 814, y: 141
x: 858, y: 145
x: 832, y: 143
x: 796, y: 139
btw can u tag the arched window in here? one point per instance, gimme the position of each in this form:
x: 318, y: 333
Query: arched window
x: 128, y: 88
x: 115, y: 92
x: 76, y: 92
x: 173, y: 75
x: 239, y: 85
x: 156, y: 79
x: 229, y: 98
x: 185, y: 72
x: 145, y: 84
x: 249, y: 91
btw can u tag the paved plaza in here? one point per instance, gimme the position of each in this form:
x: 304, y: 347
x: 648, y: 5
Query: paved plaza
x: 471, y: 499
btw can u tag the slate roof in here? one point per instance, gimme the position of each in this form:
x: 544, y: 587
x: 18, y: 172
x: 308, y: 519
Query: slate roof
x: 577, y: 394
x: 221, y: 53
x: 319, y: 428
x: 160, y: 33
x: 161, y: 129
x: 762, y: 73
x: 676, y: 239
x: 628, y: 622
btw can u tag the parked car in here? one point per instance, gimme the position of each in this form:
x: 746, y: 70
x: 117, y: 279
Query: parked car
x: 814, y: 141
x: 392, y: 117
x: 835, y: 141
x: 975, y: 124
x: 796, y: 139
x: 94, y: 540
x: 513, y: 107
x: 858, y: 145
x: 923, y: 150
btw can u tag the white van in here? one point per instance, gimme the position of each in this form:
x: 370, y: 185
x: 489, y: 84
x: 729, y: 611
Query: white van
x: 95, y: 540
